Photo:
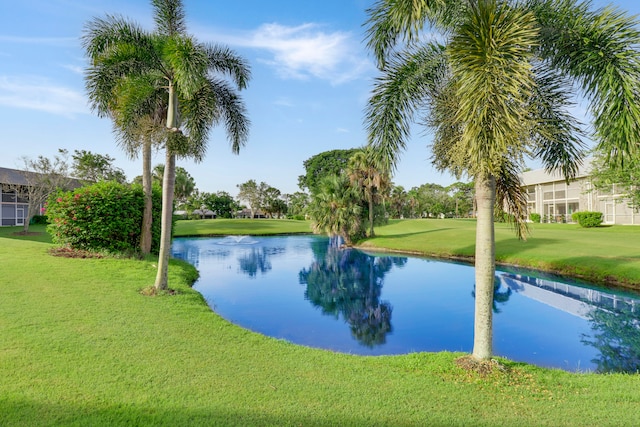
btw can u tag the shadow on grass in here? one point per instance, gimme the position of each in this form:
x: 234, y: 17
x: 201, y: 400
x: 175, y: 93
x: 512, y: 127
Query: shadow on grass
x: 37, y: 233
x: 25, y: 412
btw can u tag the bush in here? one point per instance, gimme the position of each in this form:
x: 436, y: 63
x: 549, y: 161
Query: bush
x: 106, y: 216
x: 588, y: 219
x: 298, y: 217
x: 535, y: 217
x: 39, y: 220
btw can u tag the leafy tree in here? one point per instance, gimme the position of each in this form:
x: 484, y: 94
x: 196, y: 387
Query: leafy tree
x: 433, y: 200
x: 185, y: 185
x: 272, y: 203
x: 496, y: 85
x: 41, y: 177
x: 181, y: 76
x: 251, y: 193
x: 222, y: 203
x: 625, y: 177
x: 92, y: 167
x: 398, y: 202
x: 462, y: 194
x: 325, y: 164
x: 297, y: 203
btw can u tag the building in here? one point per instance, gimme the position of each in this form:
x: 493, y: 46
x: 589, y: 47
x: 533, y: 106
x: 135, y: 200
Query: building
x: 555, y: 200
x: 14, y: 205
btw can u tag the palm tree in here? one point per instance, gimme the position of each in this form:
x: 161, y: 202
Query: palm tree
x: 167, y: 70
x: 364, y: 173
x: 335, y: 209
x: 495, y: 85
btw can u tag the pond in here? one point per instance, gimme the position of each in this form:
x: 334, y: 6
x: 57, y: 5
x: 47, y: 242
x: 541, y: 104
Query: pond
x: 306, y: 290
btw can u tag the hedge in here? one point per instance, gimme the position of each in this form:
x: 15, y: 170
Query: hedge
x: 587, y: 218
x: 106, y: 216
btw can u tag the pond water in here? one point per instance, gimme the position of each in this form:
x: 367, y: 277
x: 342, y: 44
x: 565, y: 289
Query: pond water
x: 305, y: 290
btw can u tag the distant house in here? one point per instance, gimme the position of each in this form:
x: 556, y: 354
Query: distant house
x: 14, y: 195
x: 14, y: 206
x: 246, y: 213
x: 555, y: 200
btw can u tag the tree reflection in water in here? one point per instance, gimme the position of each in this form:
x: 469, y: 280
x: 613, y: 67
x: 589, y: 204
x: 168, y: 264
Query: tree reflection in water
x: 616, y: 334
x: 348, y: 282
x: 258, y: 260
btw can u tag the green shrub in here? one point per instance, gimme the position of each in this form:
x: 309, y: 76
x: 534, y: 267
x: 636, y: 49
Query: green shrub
x: 106, y: 216
x: 39, y: 219
x: 299, y: 217
x: 587, y: 218
x: 535, y: 217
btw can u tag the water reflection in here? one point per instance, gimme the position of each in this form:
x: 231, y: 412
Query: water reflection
x: 361, y: 303
x: 348, y: 283
x: 614, y: 319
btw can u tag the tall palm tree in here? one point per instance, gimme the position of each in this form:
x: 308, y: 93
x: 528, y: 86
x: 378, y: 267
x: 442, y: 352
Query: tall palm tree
x: 195, y: 84
x: 495, y: 85
x: 364, y: 173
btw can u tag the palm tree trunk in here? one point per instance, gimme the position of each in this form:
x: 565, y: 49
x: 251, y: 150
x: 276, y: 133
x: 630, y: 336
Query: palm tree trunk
x: 370, y: 215
x: 147, y: 216
x: 485, y: 267
x: 168, y: 187
x: 162, y: 276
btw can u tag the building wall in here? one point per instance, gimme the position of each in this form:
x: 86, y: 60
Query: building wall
x: 13, y: 209
x: 555, y: 200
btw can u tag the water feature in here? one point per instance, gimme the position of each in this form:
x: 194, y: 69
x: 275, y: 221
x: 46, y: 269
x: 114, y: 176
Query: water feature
x: 307, y: 291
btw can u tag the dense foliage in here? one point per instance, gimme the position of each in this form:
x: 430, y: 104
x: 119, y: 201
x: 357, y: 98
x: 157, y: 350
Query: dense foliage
x: 106, y: 216
x: 587, y: 219
x: 327, y: 163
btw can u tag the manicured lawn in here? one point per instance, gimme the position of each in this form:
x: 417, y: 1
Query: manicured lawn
x: 225, y: 227
x: 79, y: 345
x: 602, y: 255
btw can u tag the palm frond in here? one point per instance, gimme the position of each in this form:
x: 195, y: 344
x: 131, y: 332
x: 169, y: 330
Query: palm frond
x: 599, y: 50
x: 169, y: 17
x: 223, y: 60
x: 393, y: 20
x: 402, y: 89
x: 510, y: 195
x: 490, y: 57
x: 556, y: 134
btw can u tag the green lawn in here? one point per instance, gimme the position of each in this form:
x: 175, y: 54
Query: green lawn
x: 213, y: 227
x: 80, y: 346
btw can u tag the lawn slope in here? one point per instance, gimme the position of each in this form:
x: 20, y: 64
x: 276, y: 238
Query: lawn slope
x: 79, y: 345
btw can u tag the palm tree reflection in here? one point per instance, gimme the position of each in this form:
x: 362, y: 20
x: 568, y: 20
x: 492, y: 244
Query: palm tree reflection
x: 348, y: 282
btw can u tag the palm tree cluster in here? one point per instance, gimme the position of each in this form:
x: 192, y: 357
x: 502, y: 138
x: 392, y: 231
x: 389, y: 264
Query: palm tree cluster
x: 346, y: 203
x: 164, y: 87
x: 493, y: 80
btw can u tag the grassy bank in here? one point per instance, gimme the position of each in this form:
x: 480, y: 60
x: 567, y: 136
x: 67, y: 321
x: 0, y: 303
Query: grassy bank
x: 608, y: 255
x: 79, y: 345
x: 225, y: 227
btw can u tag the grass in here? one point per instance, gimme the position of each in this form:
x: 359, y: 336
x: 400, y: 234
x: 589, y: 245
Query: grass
x: 605, y: 255
x: 79, y: 345
x: 208, y: 227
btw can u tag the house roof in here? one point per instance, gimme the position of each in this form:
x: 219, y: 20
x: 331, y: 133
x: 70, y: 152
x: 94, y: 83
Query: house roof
x: 13, y: 176
x: 540, y: 176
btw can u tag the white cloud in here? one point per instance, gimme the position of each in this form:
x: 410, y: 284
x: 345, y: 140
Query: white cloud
x: 36, y: 93
x: 284, y: 102
x: 342, y: 130
x: 305, y: 51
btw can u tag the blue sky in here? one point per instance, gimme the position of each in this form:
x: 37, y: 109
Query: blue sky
x: 311, y: 78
